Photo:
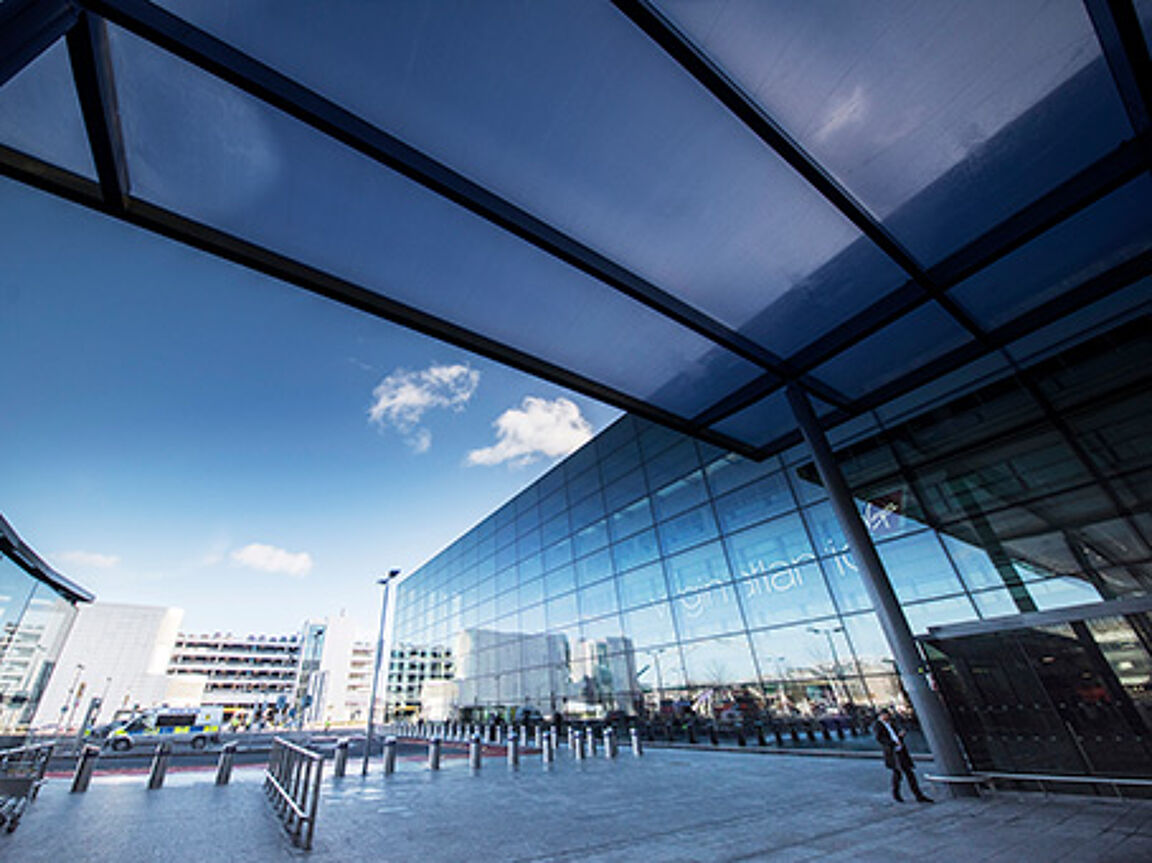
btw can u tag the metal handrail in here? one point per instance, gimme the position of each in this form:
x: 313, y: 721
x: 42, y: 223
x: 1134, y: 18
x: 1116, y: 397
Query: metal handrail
x: 989, y: 777
x: 21, y: 775
x: 292, y: 783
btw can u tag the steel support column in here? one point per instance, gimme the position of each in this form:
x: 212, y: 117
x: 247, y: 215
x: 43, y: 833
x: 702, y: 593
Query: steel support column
x: 934, y: 719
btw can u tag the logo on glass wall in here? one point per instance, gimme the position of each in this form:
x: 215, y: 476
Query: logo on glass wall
x: 776, y: 577
x: 883, y: 514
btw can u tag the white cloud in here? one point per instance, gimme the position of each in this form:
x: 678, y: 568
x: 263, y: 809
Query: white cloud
x: 268, y: 558
x: 538, y: 427
x: 94, y: 559
x: 845, y: 113
x: 402, y: 398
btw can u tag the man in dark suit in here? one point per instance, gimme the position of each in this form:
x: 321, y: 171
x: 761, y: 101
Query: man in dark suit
x: 896, y: 756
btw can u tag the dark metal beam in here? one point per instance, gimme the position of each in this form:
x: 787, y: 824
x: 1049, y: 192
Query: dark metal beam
x: 220, y: 59
x: 27, y: 28
x: 1110, y: 172
x: 923, y: 285
x: 57, y: 181
x: 1122, y: 41
x: 1094, y: 289
x: 95, y: 86
x: 1123, y: 164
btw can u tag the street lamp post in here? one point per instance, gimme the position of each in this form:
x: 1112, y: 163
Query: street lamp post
x: 376, y: 668
x: 71, y: 692
x: 827, y: 633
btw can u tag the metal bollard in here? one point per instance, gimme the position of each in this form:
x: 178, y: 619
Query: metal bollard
x: 341, y: 760
x: 224, y: 765
x: 637, y: 746
x: 539, y: 736
x: 590, y: 741
x: 571, y: 736
x: 475, y: 752
x: 159, y: 765
x: 85, y: 764
x: 524, y: 734
x: 609, y: 742
x: 434, y: 753
x: 389, y: 755
x: 548, y: 750
x: 513, y: 749
x: 577, y: 746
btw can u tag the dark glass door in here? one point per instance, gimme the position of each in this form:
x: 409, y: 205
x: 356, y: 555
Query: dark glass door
x: 1071, y: 698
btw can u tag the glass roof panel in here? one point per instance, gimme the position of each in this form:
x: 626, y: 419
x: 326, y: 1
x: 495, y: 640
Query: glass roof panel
x: 205, y: 150
x: 760, y: 423
x: 942, y: 118
x: 1107, y: 233
x: 917, y: 338
x: 571, y: 112
x: 40, y: 115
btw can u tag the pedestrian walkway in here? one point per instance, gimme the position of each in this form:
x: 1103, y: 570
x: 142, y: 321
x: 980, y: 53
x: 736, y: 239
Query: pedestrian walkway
x: 670, y: 806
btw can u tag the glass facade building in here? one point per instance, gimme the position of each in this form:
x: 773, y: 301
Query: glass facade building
x: 37, y: 607
x: 652, y: 575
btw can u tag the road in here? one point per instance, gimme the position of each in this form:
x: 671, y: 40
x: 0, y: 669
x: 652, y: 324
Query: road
x: 251, y: 748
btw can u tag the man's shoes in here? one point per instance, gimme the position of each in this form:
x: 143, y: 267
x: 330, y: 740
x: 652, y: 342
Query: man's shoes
x: 924, y: 799
x: 896, y: 796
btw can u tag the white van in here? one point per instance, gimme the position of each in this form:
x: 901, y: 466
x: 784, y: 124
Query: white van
x: 196, y: 726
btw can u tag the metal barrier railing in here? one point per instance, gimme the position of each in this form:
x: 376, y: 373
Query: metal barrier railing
x: 1044, y: 780
x: 21, y: 775
x: 292, y: 783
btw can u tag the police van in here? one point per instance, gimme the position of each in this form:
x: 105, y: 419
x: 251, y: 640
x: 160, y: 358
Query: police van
x: 196, y: 726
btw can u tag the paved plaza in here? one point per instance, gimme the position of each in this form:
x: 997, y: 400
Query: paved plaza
x: 670, y: 805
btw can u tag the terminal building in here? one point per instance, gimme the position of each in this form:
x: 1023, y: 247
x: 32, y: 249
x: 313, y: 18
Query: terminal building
x: 652, y: 575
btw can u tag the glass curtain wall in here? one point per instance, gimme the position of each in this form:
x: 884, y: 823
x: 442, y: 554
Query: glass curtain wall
x: 34, y: 620
x: 652, y: 575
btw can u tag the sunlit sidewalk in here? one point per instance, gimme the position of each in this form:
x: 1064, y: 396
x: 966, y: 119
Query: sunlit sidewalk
x: 667, y: 806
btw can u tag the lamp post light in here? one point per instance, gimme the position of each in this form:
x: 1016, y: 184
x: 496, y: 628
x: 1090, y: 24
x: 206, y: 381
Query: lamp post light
x: 71, y: 692
x: 376, y: 667
x: 827, y: 632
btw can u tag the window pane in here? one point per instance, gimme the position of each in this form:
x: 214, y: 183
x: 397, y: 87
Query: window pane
x: 598, y: 599
x: 635, y: 550
x: 1109, y: 232
x: 762, y: 499
x: 642, y: 586
x: 711, y: 612
x: 847, y: 586
x: 590, y: 538
x: 784, y: 595
x: 594, y: 567
x: 650, y: 625
x: 920, y: 336
x: 697, y: 569
x: 632, y: 518
x: 691, y: 528
x: 719, y: 662
x: 917, y: 567
x: 772, y: 545
x: 732, y: 471
x: 680, y: 495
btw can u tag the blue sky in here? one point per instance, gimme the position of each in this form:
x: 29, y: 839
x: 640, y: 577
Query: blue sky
x: 177, y: 430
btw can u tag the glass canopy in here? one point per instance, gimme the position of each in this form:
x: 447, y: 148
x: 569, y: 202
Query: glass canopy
x: 679, y: 207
